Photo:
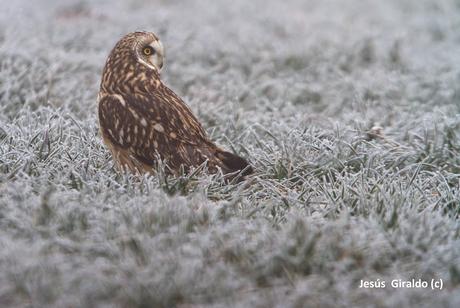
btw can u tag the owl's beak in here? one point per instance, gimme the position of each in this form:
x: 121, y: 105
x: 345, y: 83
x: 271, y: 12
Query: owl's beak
x: 157, y: 63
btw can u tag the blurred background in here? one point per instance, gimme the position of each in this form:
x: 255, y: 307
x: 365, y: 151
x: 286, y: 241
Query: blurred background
x: 293, y: 56
x: 349, y: 111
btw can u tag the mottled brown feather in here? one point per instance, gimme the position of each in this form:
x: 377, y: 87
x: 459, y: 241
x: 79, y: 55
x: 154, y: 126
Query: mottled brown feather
x: 141, y: 119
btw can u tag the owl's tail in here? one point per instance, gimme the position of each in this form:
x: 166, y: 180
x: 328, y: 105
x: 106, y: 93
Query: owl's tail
x: 231, y: 163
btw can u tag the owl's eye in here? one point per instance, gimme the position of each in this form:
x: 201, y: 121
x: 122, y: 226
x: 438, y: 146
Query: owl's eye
x: 148, y: 51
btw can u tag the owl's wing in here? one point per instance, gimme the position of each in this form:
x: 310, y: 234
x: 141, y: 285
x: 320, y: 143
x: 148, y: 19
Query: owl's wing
x: 147, y: 125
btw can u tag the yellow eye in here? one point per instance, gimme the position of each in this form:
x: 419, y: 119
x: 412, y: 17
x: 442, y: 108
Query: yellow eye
x: 148, y: 51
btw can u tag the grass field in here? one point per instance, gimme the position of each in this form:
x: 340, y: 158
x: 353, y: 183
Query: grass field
x: 348, y: 110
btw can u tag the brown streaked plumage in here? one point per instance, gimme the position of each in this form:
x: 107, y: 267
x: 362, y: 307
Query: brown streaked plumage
x: 141, y: 119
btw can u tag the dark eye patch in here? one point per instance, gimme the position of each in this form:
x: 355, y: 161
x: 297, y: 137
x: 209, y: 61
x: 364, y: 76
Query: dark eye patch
x: 148, y: 51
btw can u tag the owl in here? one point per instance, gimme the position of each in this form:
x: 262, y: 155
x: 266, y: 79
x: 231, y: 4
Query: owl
x: 142, y: 120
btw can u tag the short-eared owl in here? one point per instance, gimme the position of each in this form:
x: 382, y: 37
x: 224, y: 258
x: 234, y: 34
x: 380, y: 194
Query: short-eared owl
x: 141, y: 119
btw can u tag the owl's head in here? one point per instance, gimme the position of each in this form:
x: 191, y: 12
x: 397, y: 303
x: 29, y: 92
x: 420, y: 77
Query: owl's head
x: 146, y: 48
